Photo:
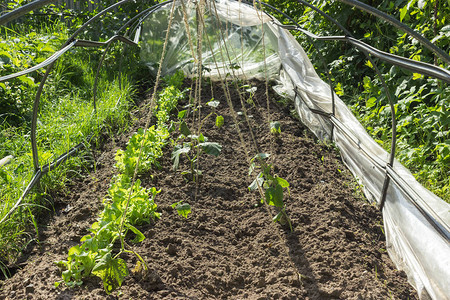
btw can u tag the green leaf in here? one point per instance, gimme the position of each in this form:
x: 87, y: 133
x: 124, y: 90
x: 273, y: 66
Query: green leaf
x: 47, y: 49
x: 183, y: 209
x: 417, y: 76
x: 278, y: 216
x: 4, y: 54
x: 211, y: 148
x: 251, y: 168
x: 182, y: 114
x: 371, y: 102
x: 184, y: 129
x: 74, y: 250
x: 258, y: 181
x: 139, y: 235
x: 27, y: 80
x: 282, y: 182
x: 112, y: 271
x: 274, y: 196
x: 177, y: 151
x: 213, y: 103
x: 5, y: 176
x: 219, y: 121
x: 403, y: 12
x: 275, y: 127
x: 261, y: 156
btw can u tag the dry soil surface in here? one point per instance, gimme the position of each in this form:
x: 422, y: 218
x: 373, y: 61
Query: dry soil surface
x: 229, y: 248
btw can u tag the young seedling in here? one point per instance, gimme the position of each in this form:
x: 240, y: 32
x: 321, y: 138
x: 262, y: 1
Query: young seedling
x: 96, y: 256
x: 275, y: 128
x: 251, y: 93
x: 193, y: 148
x: 219, y: 119
x: 270, y: 187
x: 183, y: 209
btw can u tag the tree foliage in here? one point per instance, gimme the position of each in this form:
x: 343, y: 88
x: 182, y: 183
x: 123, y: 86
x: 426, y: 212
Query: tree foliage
x: 421, y: 103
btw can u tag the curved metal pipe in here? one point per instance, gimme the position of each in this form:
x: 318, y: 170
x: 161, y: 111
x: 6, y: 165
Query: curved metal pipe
x: 383, y: 82
x: 37, y: 99
x: 23, y: 10
x: 147, y: 11
x: 43, y: 64
x: 87, y: 43
x: 59, y: 53
x: 77, y: 32
x: 70, y: 41
x: 100, y: 63
x: 373, y: 11
x: 128, y: 33
x: 412, y: 65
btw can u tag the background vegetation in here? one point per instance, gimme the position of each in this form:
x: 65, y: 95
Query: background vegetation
x: 66, y: 115
x: 421, y: 103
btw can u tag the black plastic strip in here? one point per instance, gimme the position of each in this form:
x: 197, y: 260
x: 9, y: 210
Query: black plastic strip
x: 62, y: 158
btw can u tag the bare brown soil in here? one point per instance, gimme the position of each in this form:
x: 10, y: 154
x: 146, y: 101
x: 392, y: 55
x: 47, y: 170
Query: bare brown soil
x: 229, y: 248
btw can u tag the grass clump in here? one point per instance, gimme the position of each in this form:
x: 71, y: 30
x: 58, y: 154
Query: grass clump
x: 66, y: 118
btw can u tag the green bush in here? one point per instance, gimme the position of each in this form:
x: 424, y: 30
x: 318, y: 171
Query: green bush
x: 421, y: 103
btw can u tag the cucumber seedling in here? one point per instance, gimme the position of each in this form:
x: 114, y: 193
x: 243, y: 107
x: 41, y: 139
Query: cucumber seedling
x: 271, y: 187
x: 183, y: 209
x: 192, y: 148
x: 219, y: 119
x: 275, y: 128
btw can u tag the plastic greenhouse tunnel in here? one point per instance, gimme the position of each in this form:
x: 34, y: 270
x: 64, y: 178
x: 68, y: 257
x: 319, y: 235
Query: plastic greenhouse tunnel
x: 227, y: 41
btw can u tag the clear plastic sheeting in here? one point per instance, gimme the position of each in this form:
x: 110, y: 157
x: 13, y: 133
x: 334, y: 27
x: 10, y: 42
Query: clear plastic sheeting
x: 232, y: 41
x: 239, y: 41
x: 413, y: 243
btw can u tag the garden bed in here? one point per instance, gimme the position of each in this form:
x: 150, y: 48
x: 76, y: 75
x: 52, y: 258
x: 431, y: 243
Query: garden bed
x: 229, y: 247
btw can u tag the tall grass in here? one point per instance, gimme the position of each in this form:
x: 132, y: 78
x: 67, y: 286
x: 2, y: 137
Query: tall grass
x: 66, y: 118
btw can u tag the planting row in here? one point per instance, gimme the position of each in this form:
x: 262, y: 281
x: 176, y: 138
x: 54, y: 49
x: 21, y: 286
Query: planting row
x: 128, y: 204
